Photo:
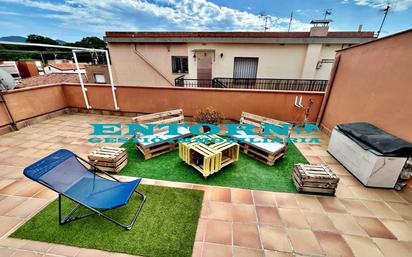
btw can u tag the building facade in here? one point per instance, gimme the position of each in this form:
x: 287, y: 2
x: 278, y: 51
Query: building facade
x: 157, y: 58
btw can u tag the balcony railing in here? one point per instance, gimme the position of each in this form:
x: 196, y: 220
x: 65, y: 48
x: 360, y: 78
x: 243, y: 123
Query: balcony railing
x: 256, y: 83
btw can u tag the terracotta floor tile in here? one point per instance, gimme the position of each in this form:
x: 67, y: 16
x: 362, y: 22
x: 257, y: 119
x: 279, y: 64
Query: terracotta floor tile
x: 346, y: 224
x: 332, y: 204
x: 246, y: 235
x: 275, y: 238
x: 26, y: 254
x: 36, y: 246
x: 293, y: 218
x: 364, y: 193
x: 220, y: 211
x: 31, y: 189
x: 5, y: 252
x: 284, y: 200
x: 219, y: 232
x: 15, y: 187
x: 262, y: 198
x: 374, y: 227
x: 246, y: 252
x: 12, y: 242
x: 356, y: 208
x: 349, y: 180
x: 27, y: 208
x: 314, y: 160
x: 220, y: 194
x: 362, y: 246
x: 401, y: 229
x: 9, y: 203
x: 277, y: 254
x: 309, y: 203
x: 344, y: 192
x: 7, y: 224
x: 64, y: 250
x: 197, y: 249
x: 388, y: 195
x: 304, y: 242
x: 268, y: 215
x: 244, y: 213
x: 5, y: 182
x: 46, y: 194
x: 92, y: 253
x: 319, y: 221
x: 392, y: 248
x: 339, y: 169
x: 241, y: 196
x: 201, y: 230
x: 333, y: 244
x: 214, y: 250
x: 404, y: 210
x: 381, y: 210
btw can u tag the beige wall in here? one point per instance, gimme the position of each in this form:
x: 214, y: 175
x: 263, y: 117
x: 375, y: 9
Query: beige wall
x: 292, y: 61
x: 145, y: 64
x: 274, y: 104
x: 373, y: 83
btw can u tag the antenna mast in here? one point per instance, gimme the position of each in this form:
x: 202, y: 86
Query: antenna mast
x: 386, y: 10
x: 326, y: 13
x: 290, y: 20
x: 266, y: 19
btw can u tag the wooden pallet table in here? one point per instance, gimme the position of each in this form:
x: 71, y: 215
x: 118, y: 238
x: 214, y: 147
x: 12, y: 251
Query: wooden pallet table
x: 317, y: 178
x: 206, y: 156
x: 110, y: 159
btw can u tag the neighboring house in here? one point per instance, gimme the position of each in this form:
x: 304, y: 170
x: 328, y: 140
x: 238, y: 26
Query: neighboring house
x: 53, y: 78
x: 97, y: 73
x: 157, y: 58
x: 11, y: 68
x: 64, y: 68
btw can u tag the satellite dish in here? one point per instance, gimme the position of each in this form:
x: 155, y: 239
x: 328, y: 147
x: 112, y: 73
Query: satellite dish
x: 6, y: 81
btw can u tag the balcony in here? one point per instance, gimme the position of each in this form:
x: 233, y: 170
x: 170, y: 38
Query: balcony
x: 255, y: 83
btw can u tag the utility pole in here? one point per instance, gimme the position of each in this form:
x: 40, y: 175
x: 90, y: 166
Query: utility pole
x: 290, y: 20
x: 385, y: 11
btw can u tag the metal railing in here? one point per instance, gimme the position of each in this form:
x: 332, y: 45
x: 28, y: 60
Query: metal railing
x: 256, y: 83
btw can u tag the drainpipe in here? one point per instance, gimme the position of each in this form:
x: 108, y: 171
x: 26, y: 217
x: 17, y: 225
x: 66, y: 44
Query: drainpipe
x: 328, y: 90
x: 151, y: 65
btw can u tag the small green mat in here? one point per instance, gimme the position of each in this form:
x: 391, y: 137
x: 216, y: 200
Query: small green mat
x: 245, y: 173
x: 165, y: 227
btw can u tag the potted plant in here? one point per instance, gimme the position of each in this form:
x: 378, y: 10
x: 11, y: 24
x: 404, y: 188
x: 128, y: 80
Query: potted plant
x: 208, y: 115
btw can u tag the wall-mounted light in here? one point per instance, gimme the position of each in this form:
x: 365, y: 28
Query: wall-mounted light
x: 221, y: 55
x: 194, y: 57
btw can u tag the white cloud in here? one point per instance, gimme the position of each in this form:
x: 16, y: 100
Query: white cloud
x: 188, y: 15
x: 396, y: 5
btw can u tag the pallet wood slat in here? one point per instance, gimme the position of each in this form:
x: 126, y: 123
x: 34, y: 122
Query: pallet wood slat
x: 110, y: 159
x: 317, y: 178
x: 166, y: 117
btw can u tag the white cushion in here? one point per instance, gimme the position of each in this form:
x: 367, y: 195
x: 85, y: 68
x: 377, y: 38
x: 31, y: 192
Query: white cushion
x: 269, y: 147
x: 146, y: 141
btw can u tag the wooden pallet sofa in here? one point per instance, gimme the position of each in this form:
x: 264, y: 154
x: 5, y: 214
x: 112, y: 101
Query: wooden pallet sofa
x: 150, y: 148
x: 267, y: 152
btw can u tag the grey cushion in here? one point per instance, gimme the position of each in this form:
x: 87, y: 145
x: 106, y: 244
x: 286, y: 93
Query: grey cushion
x: 269, y: 147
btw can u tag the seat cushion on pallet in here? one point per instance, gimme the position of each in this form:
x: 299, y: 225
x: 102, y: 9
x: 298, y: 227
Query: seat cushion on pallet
x: 269, y: 147
x: 152, y: 140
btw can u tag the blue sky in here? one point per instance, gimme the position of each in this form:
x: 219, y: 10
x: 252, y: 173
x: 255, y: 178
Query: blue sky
x: 70, y: 20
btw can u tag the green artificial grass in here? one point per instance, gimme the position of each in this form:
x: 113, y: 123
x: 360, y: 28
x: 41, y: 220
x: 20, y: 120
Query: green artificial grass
x: 165, y: 227
x: 245, y: 173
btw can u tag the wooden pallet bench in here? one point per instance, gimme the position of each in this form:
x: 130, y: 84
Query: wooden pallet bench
x: 317, y: 178
x: 267, y: 152
x: 110, y: 159
x: 146, y: 144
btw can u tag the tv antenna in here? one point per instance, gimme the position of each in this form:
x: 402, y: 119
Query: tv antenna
x: 326, y: 13
x: 266, y: 18
x: 290, y: 20
x: 385, y: 13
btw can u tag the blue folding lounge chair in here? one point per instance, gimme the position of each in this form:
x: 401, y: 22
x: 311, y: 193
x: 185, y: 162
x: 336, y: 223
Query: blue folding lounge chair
x: 63, y: 172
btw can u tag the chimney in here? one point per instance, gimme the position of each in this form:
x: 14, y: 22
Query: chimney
x: 360, y: 28
x: 320, y: 28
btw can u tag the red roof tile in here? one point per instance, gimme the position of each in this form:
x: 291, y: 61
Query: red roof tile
x: 67, y: 66
x: 52, y: 78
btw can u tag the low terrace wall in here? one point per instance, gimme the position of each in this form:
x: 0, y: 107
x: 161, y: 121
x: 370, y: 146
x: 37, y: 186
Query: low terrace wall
x: 28, y: 103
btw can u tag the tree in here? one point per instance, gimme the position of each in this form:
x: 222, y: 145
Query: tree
x: 33, y: 38
x: 89, y: 42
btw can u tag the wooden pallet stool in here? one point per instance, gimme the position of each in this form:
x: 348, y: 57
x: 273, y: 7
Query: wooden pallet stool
x: 208, y: 157
x: 110, y: 159
x: 317, y: 178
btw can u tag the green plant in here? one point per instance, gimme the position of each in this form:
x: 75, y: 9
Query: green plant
x: 208, y: 115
